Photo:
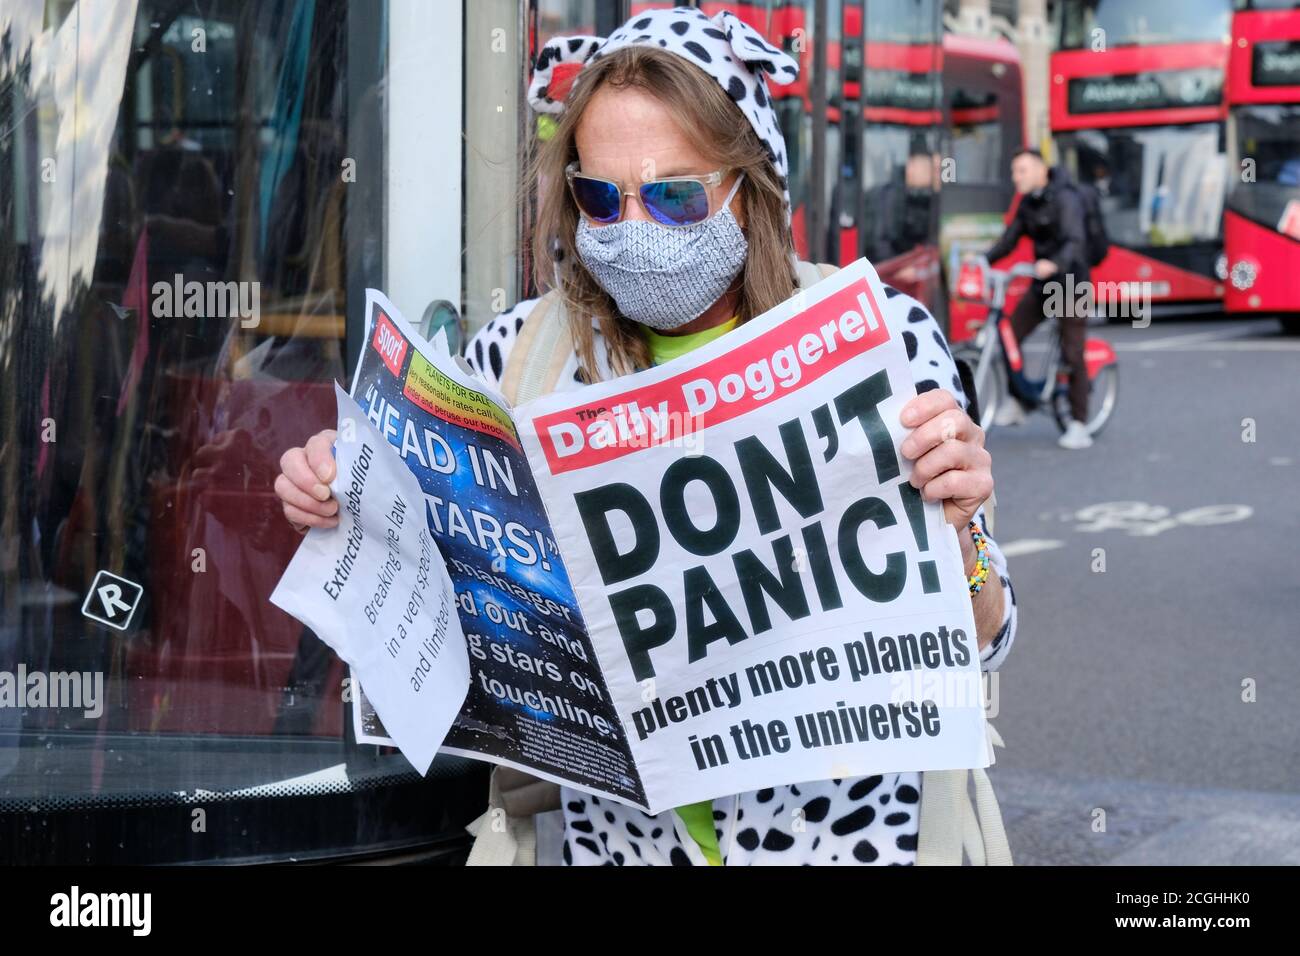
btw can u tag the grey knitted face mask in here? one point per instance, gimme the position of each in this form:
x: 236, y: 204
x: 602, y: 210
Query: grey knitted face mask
x: 664, y: 276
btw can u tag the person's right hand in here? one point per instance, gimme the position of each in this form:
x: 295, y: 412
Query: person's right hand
x: 303, y: 483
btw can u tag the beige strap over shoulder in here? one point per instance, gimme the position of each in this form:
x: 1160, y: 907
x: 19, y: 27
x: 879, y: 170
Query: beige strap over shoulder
x: 950, y: 823
x: 811, y: 273
x: 505, y: 834
x: 540, y: 353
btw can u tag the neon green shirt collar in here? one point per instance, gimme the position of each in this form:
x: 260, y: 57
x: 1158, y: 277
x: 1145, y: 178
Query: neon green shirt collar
x: 665, y: 348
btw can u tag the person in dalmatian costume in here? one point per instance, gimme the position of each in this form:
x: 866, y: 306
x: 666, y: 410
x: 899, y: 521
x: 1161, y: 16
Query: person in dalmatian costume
x: 867, y: 820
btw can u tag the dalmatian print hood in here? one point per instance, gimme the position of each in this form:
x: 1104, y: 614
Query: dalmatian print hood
x: 724, y: 46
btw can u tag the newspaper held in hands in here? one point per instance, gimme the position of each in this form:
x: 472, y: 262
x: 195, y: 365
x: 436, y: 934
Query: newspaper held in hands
x: 706, y: 578
x: 376, y: 590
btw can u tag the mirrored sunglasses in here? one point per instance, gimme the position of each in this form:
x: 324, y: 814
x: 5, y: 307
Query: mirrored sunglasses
x: 671, y: 201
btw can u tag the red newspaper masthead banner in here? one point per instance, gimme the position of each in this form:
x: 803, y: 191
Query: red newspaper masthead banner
x: 791, y: 355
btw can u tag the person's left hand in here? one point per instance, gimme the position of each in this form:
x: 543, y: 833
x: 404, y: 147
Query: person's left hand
x: 950, y: 462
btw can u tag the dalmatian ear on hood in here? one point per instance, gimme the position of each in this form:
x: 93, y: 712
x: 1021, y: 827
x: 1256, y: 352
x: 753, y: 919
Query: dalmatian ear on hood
x: 748, y: 44
x: 558, y: 63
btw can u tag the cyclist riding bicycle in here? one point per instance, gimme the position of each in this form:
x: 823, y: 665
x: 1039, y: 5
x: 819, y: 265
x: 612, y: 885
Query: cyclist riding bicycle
x: 1052, y: 216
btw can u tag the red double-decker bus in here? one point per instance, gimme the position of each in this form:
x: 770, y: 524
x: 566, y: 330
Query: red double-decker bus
x: 1138, y: 111
x: 898, y: 96
x: 863, y: 132
x: 1261, y: 225
x: 929, y: 121
x: 984, y: 125
x: 893, y: 119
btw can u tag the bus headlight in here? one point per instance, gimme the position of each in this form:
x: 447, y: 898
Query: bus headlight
x: 1243, y: 275
x: 1221, y: 267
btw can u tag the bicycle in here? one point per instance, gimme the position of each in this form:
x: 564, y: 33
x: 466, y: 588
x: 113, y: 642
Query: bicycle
x: 999, y: 368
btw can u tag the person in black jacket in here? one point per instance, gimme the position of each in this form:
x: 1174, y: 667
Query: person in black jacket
x: 1052, y: 216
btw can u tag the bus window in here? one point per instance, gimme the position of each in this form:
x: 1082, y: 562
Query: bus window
x: 203, y: 192
x: 977, y: 136
x: 899, y: 180
x: 1107, y: 24
x: 1159, y: 186
x: 1270, y: 136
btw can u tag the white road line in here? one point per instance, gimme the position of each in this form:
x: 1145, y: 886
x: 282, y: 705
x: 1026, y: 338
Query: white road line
x: 1174, y: 341
x: 1232, y: 339
x: 1014, y: 549
x: 1232, y: 345
x: 1268, y: 345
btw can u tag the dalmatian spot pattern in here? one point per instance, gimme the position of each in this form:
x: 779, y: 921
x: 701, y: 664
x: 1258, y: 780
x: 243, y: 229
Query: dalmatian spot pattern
x: 724, y: 46
x: 868, y: 820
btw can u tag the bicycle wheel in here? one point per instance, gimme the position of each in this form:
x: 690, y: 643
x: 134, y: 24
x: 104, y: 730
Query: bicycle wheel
x: 1103, y: 394
x: 990, y: 387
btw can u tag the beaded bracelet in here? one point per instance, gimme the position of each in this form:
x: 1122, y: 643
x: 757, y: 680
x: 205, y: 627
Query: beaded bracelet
x: 977, y: 580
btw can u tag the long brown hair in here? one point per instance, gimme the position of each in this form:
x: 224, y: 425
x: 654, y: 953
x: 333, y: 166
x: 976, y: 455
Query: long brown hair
x: 718, y: 129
